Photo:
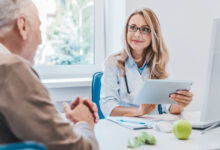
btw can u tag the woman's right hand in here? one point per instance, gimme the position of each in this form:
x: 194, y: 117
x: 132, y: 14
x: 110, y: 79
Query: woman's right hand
x: 145, y: 109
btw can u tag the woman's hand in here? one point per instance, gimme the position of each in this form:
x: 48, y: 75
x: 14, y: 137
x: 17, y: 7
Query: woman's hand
x: 145, y: 109
x: 183, y: 98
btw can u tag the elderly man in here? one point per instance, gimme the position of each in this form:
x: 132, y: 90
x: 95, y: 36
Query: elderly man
x: 26, y: 111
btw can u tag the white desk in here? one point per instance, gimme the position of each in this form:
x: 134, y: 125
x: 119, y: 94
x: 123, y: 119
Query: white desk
x: 114, y: 137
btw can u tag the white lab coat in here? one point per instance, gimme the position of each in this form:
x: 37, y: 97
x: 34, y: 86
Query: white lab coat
x: 113, y: 87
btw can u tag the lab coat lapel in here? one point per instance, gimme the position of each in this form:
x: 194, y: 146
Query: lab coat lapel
x: 145, y: 74
x: 134, y: 80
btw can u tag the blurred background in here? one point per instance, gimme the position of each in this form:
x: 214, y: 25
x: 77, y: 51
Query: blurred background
x: 79, y: 34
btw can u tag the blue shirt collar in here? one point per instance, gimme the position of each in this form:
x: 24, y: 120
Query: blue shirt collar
x: 132, y: 63
x: 143, y: 66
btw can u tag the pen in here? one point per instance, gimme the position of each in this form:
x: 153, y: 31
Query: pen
x: 129, y: 121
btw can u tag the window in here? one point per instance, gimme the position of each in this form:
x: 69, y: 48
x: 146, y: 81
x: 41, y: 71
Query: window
x: 73, y: 38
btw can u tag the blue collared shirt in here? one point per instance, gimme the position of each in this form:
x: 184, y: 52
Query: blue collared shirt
x: 141, y: 69
x: 131, y: 62
x: 113, y: 87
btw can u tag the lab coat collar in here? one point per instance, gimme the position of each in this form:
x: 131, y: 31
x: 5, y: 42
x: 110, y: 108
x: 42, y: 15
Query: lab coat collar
x: 131, y: 62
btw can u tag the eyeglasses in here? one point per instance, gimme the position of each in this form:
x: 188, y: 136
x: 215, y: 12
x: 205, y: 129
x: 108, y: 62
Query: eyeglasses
x: 143, y: 29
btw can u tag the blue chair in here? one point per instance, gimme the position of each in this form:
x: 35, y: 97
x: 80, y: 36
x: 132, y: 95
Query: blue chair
x: 96, y: 86
x: 23, y: 146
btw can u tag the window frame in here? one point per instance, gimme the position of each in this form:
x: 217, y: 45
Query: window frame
x: 76, y: 71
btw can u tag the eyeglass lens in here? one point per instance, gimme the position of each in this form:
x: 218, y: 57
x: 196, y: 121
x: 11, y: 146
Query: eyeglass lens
x: 143, y: 29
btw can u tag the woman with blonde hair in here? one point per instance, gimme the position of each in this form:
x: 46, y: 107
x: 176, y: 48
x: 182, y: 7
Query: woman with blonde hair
x: 144, y: 56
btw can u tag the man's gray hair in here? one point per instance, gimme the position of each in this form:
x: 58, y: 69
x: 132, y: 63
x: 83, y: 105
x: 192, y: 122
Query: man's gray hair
x: 10, y: 10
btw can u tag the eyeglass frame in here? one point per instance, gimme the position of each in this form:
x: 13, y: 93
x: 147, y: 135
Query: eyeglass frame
x: 139, y: 28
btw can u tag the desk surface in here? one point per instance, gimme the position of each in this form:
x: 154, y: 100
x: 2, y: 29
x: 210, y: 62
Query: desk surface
x: 111, y: 136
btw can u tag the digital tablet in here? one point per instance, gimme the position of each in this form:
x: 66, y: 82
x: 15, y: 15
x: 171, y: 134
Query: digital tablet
x: 154, y: 91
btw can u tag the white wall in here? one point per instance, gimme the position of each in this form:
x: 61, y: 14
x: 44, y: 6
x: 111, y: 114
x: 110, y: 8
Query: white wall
x: 186, y: 27
x: 115, y: 14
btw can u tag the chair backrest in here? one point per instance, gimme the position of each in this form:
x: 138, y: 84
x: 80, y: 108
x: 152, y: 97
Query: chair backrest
x: 23, y: 146
x: 96, y: 86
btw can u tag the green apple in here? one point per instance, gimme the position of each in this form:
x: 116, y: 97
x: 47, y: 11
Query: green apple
x: 182, y: 129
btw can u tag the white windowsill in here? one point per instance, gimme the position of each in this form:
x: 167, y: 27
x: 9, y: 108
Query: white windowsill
x: 70, y: 82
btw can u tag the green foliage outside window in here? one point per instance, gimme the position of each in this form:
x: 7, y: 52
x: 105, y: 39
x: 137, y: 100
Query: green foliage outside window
x: 70, y: 33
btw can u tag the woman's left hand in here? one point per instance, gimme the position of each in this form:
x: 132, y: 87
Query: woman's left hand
x: 183, y: 98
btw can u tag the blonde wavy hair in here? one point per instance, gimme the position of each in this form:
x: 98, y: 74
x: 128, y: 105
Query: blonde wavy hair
x: 156, y: 54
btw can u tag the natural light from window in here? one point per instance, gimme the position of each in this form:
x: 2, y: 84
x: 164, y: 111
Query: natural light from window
x: 67, y: 31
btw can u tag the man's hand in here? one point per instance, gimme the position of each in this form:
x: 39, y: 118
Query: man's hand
x: 81, y: 112
x: 93, y: 109
x: 92, y: 106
